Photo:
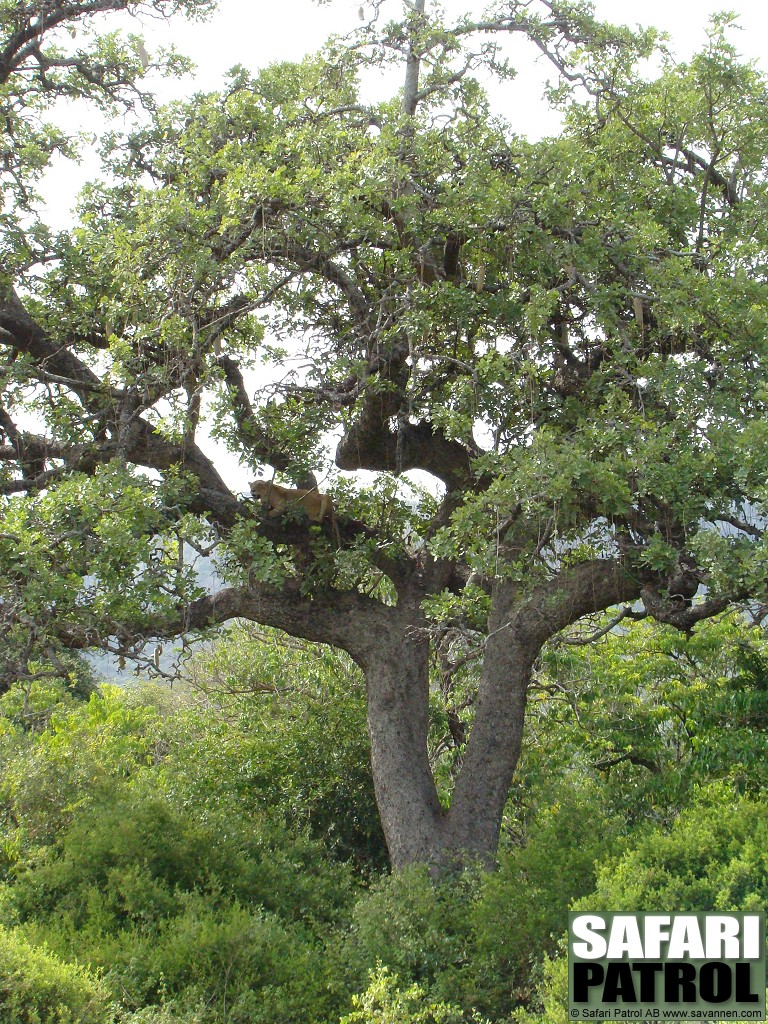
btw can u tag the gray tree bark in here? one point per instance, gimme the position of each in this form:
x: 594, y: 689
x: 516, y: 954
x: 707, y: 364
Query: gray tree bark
x: 417, y: 828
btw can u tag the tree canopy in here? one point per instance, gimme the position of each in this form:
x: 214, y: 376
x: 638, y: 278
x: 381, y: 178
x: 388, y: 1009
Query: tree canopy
x: 566, y: 338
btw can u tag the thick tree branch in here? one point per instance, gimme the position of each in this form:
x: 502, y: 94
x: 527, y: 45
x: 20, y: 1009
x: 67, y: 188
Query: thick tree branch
x: 33, y: 21
x: 586, y: 588
x: 684, y: 615
x: 134, y: 439
x: 370, y: 443
x: 642, y: 762
x: 348, y: 620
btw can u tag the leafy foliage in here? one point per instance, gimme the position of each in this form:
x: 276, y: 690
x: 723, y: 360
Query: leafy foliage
x: 38, y: 988
x: 384, y: 1003
x: 712, y: 858
x: 655, y: 713
x: 475, y: 940
x: 566, y: 337
x: 54, y: 52
x: 177, y: 898
x: 294, y: 717
x: 165, y: 840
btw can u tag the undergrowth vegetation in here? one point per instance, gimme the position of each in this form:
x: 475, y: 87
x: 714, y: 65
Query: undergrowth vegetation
x: 212, y: 855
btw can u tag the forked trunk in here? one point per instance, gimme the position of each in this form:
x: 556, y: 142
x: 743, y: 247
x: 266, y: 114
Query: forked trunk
x: 417, y: 828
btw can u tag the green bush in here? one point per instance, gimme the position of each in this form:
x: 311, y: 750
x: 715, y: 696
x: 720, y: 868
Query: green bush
x: 129, y: 860
x: 477, y: 940
x: 168, y: 1013
x: 289, y: 732
x: 240, y: 965
x: 419, y: 929
x: 553, y: 996
x: 383, y: 1002
x: 188, y: 913
x: 524, y: 906
x: 655, y: 714
x: 714, y: 857
x: 37, y: 988
x: 47, y: 782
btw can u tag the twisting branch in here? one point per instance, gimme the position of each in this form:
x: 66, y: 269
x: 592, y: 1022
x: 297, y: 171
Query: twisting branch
x: 583, y: 641
x: 136, y: 439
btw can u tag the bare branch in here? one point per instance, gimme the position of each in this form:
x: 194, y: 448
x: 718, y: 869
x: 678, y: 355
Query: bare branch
x: 582, y: 641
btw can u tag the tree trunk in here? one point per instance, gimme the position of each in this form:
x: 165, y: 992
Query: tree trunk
x: 417, y: 828
x: 398, y: 720
x: 493, y: 749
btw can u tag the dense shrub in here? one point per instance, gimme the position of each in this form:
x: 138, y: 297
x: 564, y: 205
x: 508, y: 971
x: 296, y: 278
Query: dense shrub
x: 37, y: 988
x: 525, y: 904
x: 194, y: 907
x: 291, y: 719
x: 714, y: 857
x: 228, y: 963
x: 129, y: 860
x: 655, y: 714
x: 473, y: 940
x: 384, y: 1002
x: 216, y: 913
x: 419, y: 929
x: 210, y: 858
x: 48, y: 780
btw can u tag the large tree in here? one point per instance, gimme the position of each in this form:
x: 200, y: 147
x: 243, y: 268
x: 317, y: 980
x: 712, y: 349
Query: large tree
x: 566, y: 338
